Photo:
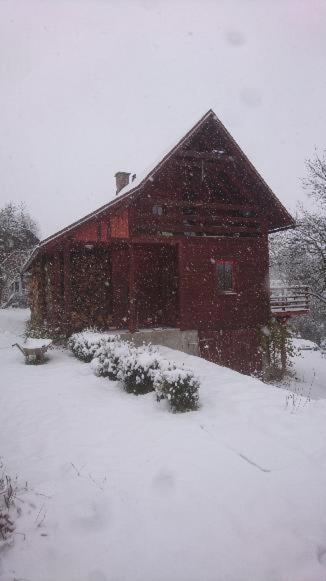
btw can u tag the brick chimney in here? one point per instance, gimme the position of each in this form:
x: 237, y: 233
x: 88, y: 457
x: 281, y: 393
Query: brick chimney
x: 121, y: 180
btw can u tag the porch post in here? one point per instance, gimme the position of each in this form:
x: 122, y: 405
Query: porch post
x: 39, y: 299
x: 67, y: 285
x: 132, y: 325
x: 56, y: 287
x: 181, y: 271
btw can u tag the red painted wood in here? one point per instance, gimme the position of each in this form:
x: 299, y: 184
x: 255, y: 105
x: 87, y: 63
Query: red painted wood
x: 132, y: 323
x: 119, y: 225
x: 156, y: 275
x: 67, y: 284
x: 183, y: 284
x: 120, y: 285
x: 237, y: 348
x: 58, y: 298
x: 87, y: 232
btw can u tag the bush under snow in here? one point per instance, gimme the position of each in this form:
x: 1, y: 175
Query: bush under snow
x: 140, y: 369
x: 85, y: 344
x: 178, y: 385
x: 109, y: 358
x: 137, y: 370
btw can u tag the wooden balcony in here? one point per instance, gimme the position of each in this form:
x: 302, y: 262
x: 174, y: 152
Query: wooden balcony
x: 289, y: 301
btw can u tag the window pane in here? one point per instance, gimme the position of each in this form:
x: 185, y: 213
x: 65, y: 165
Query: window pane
x: 157, y: 210
x: 224, y: 276
x: 220, y: 275
x: 228, y: 278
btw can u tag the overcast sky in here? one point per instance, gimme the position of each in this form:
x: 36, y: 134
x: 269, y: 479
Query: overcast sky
x: 90, y: 87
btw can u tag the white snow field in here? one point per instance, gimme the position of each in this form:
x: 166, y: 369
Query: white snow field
x: 310, y: 371
x: 119, y: 489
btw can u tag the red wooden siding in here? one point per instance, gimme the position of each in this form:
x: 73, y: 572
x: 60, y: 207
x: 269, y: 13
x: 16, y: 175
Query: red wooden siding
x: 156, y: 280
x: 204, y: 305
x: 88, y: 232
x: 119, y: 225
x: 236, y: 348
x: 120, y: 285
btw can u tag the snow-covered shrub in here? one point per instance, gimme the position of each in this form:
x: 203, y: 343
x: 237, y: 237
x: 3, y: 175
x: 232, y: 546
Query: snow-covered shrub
x: 178, y: 385
x: 109, y: 358
x: 85, y: 344
x: 137, y: 371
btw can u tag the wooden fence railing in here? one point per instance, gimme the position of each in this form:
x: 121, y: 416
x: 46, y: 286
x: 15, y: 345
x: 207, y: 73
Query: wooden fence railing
x: 289, y: 301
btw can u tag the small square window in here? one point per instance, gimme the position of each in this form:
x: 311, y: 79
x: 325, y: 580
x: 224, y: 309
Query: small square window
x: 157, y: 210
x: 225, y: 276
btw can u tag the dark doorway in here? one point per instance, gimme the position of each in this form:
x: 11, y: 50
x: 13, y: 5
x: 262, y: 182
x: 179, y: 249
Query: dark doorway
x: 157, y: 286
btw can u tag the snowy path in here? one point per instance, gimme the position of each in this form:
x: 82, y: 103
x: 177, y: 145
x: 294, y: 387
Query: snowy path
x: 122, y: 490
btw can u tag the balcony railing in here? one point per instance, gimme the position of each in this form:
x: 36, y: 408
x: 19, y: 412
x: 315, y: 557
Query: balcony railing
x: 289, y: 301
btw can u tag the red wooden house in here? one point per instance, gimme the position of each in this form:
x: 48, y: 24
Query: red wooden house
x: 184, y: 247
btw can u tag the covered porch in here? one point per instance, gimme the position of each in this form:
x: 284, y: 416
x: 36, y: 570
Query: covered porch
x: 118, y: 285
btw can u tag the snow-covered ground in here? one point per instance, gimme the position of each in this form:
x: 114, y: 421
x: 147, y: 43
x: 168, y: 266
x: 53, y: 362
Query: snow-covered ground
x: 309, y: 368
x: 119, y: 489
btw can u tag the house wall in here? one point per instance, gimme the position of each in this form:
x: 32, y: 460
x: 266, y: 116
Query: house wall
x: 236, y: 348
x: 203, y: 306
x: 228, y: 324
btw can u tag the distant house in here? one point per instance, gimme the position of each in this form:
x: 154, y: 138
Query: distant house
x: 184, y: 247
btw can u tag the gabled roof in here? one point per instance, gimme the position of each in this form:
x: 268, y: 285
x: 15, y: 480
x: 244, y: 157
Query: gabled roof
x: 129, y: 191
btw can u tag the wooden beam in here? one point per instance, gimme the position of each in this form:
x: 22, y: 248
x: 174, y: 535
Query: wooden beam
x: 205, y: 155
x: 148, y: 204
x: 57, y: 299
x: 132, y: 325
x: 40, y: 276
x: 67, y: 274
x: 181, y: 279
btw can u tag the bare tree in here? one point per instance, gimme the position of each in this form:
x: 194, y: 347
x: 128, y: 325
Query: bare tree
x: 315, y: 182
x: 299, y: 256
x: 18, y: 236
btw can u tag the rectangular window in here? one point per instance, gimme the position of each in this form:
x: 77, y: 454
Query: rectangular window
x: 225, y: 276
x: 158, y: 210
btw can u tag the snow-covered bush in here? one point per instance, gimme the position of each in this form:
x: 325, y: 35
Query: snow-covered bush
x: 178, y: 385
x: 140, y: 369
x: 109, y: 358
x: 137, y: 371
x: 85, y: 344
